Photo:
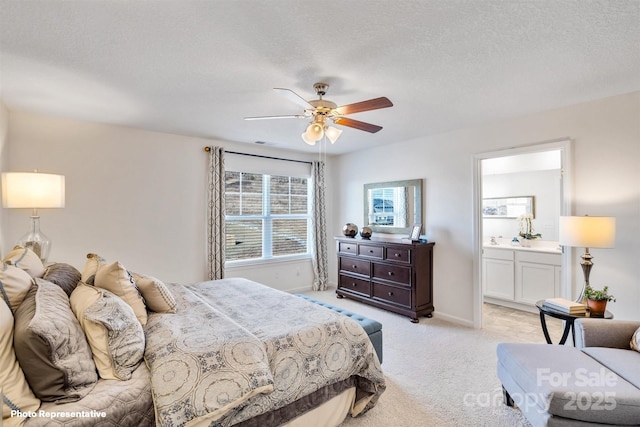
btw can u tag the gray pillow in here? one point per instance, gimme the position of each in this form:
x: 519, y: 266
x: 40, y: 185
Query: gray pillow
x: 51, y: 346
x: 64, y: 275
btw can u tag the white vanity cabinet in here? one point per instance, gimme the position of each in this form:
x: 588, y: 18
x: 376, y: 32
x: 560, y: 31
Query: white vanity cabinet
x: 497, y: 273
x: 518, y: 277
x: 537, y: 276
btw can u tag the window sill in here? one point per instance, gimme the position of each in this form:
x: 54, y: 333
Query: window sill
x: 263, y: 261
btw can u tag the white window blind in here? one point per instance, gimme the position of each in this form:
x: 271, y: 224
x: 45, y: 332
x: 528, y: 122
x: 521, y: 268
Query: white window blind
x: 267, y: 216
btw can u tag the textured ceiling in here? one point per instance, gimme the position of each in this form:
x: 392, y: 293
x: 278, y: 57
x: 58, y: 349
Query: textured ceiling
x: 198, y: 67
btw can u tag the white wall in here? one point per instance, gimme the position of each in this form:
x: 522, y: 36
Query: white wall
x: 4, y: 161
x: 544, y: 186
x: 138, y: 196
x: 131, y: 195
x: 606, y: 135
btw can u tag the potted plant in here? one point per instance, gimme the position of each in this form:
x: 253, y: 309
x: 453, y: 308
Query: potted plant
x: 597, y: 300
x: 525, y: 222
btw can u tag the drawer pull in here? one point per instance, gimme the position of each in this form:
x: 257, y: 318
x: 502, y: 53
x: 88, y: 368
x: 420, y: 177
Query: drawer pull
x: 370, y: 251
x: 390, y: 294
x: 348, y: 248
x: 354, y: 284
x: 390, y: 273
x: 354, y: 266
x: 397, y: 255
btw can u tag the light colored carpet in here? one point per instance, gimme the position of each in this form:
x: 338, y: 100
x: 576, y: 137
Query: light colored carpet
x: 437, y: 373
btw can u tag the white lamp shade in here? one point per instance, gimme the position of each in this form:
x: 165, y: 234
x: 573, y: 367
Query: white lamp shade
x: 314, y: 131
x: 306, y: 139
x: 32, y: 190
x: 332, y: 133
x: 587, y: 231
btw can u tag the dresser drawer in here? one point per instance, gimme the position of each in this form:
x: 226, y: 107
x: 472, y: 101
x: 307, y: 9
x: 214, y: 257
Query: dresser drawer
x: 351, y: 284
x: 370, y: 251
x: 349, y: 248
x: 392, y: 273
x: 354, y: 265
x: 392, y: 294
x: 399, y: 255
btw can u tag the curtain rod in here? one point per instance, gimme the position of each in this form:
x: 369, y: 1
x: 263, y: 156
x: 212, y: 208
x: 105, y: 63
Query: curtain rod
x: 207, y: 149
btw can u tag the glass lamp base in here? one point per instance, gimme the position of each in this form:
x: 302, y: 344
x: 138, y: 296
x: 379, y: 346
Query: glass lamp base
x: 36, y: 240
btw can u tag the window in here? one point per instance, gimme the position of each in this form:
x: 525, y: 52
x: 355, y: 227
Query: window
x: 267, y: 216
x: 389, y: 206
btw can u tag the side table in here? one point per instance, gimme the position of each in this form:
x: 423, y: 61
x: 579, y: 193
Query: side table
x: 568, y: 321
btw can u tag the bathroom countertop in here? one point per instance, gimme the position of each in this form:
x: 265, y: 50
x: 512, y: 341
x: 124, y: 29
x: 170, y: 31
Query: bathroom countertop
x: 542, y: 246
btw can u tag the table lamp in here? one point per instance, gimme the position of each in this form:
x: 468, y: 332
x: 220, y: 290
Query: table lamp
x: 36, y: 191
x: 587, y: 232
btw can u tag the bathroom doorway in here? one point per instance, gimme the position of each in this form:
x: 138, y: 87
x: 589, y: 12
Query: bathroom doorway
x: 534, y: 181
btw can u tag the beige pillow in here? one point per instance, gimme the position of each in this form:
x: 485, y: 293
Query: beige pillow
x: 25, y: 259
x: 51, y: 346
x: 91, y: 268
x: 14, y: 285
x: 115, y: 278
x: 115, y: 335
x: 635, y: 340
x: 16, y: 393
x: 155, y: 294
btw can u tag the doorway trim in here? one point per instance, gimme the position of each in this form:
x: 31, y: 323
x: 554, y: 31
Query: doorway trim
x: 566, y: 204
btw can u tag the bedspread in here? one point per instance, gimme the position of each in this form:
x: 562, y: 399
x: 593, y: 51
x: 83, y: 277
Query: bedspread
x: 236, y: 349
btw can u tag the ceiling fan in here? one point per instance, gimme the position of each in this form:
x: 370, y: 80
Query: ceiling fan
x: 320, y: 111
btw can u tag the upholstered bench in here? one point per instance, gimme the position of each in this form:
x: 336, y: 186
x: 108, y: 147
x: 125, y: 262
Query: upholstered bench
x: 373, y: 328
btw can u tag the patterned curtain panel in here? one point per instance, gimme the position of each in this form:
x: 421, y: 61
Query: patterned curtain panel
x: 215, y: 214
x: 319, y: 227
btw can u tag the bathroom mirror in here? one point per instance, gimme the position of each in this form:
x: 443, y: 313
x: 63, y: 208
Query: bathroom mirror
x: 393, y: 207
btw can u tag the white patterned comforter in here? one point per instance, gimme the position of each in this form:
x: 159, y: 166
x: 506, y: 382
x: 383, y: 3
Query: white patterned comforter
x: 236, y: 349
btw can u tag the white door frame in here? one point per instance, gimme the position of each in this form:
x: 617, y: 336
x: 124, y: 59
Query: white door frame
x: 564, y: 145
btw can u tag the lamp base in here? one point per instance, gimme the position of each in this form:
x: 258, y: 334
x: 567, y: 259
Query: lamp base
x: 36, y: 240
x: 586, y: 265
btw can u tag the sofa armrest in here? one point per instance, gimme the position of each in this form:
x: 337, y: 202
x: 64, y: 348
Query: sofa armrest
x: 604, y: 332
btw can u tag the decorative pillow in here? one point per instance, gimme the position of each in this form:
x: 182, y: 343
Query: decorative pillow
x: 635, y: 340
x: 115, y: 335
x: 14, y: 285
x: 16, y: 394
x: 155, y: 294
x: 64, y: 275
x: 25, y: 259
x: 91, y: 268
x: 115, y: 278
x: 51, y: 347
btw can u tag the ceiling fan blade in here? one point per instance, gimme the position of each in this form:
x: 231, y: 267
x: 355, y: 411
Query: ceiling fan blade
x: 292, y: 96
x: 356, y: 124
x: 371, y: 104
x: 294, y: 116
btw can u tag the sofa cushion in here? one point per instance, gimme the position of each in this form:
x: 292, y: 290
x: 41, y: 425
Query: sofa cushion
x: 64, y: 275
x: 25, y: 259
x: 51, y: 346
x: 14, y: 285
x: 115, y: 335
x: 625, y: 363
x: 635, y: 340
x: 16, y: 394
x: 567, y: 383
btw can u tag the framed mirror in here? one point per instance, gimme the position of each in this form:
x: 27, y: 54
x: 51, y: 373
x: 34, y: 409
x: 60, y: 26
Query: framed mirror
x: 394, y: 206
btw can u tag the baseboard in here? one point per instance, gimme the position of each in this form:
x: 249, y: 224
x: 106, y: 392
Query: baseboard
x: 453, y: 319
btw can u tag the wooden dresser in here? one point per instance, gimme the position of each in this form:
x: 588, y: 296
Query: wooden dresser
x: 387, y: 273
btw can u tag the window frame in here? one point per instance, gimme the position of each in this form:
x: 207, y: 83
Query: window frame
x: 267, y: 219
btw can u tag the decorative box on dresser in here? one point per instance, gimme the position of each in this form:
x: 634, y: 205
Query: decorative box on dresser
x: 387, y: 273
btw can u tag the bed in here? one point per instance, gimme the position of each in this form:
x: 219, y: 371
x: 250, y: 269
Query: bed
x: 234, y: 352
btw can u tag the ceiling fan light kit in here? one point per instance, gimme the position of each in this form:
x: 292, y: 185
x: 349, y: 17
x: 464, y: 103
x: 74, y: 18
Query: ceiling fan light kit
x: 319, y: 110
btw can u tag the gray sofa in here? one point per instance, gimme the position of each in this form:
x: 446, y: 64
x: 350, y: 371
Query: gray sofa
x: 595, y: 383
